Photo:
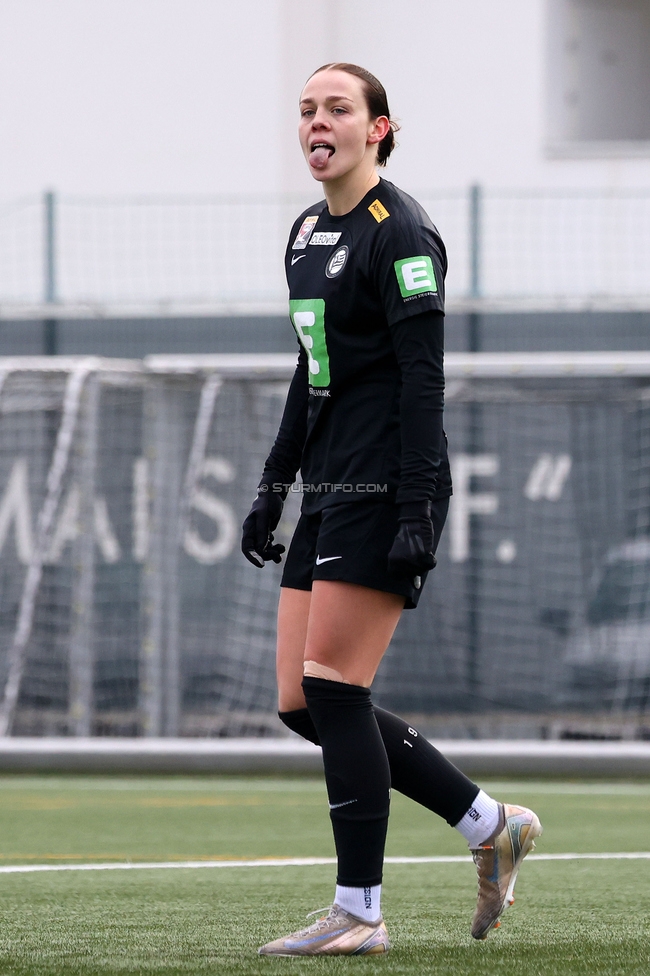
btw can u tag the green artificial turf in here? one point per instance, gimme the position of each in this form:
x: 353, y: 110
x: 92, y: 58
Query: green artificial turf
x: 570, y: 917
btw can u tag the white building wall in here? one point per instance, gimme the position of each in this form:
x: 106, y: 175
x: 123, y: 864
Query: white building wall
x: 199, y: 96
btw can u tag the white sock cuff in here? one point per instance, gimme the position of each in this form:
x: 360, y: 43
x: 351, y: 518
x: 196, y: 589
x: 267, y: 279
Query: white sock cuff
x: 480, y: 821
x: 365, y: 903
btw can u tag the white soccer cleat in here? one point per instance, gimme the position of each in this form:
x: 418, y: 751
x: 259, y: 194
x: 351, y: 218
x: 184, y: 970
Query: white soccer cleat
x: 498, y: 861
x: 336, y: 934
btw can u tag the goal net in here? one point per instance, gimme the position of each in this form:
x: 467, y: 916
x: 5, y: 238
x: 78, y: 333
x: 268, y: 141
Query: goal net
x: 126, y: 607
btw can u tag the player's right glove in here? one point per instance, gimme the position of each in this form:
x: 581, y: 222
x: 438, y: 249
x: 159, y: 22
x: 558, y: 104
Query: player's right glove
x: 259, y: 525
x: 412, y: 551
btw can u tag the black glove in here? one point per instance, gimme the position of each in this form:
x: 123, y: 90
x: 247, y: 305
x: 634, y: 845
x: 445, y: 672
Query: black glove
x: 412, y: 551
x: 259, y: 525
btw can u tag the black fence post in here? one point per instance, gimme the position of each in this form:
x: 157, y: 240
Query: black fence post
x: 50, y: 325
x: 475, y: 207
x: 475, y: 442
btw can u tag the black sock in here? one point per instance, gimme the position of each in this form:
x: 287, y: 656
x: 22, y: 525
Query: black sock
x: 417, y: 769
x: 299, y: 720
x: 357, y: 776
x: 422, y: 773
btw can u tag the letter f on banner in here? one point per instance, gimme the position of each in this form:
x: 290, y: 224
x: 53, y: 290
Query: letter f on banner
x: 465, y: 503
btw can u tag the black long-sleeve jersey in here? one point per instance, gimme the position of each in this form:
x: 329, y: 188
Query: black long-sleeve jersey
x: 363, y: 417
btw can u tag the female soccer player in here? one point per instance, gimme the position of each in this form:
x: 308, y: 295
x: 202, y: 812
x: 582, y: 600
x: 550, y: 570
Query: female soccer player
x: 363, y: 422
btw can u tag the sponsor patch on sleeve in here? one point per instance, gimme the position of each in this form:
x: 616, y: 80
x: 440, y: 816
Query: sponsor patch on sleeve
x: 415, y: 276
x: 305, y: 232
x: 378, y: 210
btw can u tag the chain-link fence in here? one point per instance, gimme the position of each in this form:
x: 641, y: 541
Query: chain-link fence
x: 158, y: 254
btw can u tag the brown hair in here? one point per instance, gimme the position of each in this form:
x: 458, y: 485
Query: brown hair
x: 376, y: 100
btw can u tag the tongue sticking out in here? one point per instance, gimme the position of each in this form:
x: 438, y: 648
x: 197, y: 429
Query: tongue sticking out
x: 319, y: 156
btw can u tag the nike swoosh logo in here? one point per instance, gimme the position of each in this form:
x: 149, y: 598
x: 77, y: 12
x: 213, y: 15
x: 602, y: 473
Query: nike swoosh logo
x: 327, y: 559
x: 335, y: 806
x: 296, y: 944
x: 296, y: 257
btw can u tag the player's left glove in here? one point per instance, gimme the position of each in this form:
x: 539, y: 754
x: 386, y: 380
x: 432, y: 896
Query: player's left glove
x: 412, y: 551
x: 259, y: 525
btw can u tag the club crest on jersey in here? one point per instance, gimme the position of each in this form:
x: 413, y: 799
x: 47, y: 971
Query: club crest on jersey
x: 305, y: 232
x: 337, y: 262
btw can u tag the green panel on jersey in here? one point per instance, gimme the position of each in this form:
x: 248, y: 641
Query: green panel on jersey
x: 415, y: 276
x: 308, y: 317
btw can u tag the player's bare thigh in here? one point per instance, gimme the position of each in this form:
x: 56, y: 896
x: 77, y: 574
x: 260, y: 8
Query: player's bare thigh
x: 293, y: 618
x: 342, y: 626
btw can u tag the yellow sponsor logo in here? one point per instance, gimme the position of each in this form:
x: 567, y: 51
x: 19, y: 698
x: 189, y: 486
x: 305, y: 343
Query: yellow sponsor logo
x: 378, y: 210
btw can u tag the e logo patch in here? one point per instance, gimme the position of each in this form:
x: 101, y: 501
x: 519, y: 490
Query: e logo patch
x: 415, y: 276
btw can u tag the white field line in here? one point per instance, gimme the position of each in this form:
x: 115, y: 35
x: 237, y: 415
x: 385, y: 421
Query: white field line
x: 240, y: 785
x: 295, y: 862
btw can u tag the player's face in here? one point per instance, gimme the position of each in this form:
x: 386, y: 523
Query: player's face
x: 336, y: 132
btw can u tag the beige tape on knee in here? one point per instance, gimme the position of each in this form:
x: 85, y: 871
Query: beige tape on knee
x: 312, y: 669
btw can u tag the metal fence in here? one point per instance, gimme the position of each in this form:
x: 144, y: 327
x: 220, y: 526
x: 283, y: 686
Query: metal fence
x: 562, y: 247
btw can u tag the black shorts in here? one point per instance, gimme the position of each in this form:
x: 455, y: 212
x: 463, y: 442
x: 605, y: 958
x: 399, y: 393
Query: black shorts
x: 351, y: 542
